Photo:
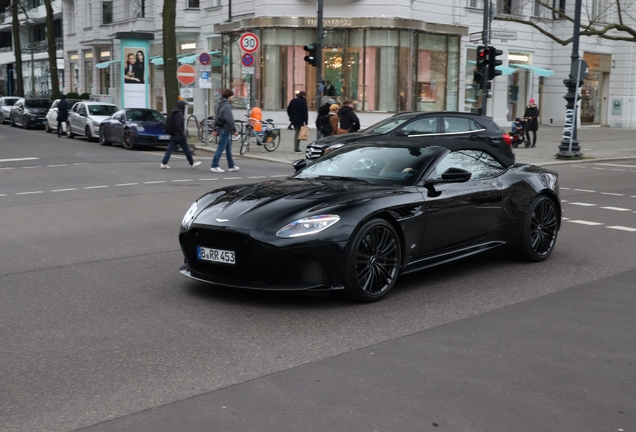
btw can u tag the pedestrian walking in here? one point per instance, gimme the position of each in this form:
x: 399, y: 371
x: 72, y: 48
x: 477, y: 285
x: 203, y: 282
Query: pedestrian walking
x: 62, y: 114
x: 298, y: 116
x: 330, y: 90
x: 349, y: 121
x: 532, y: 122
x: 333, y: 118
x: 291, y: 126
x: 175, y: 126
x: 225, y: 126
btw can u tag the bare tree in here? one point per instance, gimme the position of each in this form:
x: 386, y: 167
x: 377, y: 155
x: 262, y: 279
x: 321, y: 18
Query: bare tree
x: 51, y: 48
x: 596, y: 22
x: 170, y: 53
x: 17, y: 49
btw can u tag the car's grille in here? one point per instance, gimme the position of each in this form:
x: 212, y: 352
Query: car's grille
x: 313, y: 152
x: 255, y: 262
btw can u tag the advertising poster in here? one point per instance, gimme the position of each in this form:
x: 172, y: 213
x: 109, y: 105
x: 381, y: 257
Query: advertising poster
x: 135, y: 74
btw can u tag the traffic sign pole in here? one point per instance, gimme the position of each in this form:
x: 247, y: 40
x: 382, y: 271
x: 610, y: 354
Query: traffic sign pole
x: 249, y: 43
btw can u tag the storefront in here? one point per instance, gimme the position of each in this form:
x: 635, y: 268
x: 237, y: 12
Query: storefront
x: 382, y: 65
x: 519, y: 85
x: 595, y: 89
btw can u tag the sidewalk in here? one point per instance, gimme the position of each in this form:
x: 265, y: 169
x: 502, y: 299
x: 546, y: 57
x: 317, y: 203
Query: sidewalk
x: 597, y: 143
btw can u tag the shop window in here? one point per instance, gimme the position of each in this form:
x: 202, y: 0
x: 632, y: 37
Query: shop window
x: 70, y: 16
x: 353, y: 85
x: 88, y: 76
x: 432, y: 72
x: 88, y: 13
x: 107, y: 12
x: 509, y: 7
x: 275, y: 88
x: 138, y: 8
x: 381, y: 70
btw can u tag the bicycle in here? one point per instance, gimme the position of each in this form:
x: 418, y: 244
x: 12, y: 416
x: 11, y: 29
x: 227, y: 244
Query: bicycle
x: 268, y: 137
x: 209, y: 124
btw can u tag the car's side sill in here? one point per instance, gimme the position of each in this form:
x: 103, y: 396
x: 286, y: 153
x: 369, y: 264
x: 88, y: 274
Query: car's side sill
x: 434, y: 260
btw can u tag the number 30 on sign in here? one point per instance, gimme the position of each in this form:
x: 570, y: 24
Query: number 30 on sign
x: 249, y: 42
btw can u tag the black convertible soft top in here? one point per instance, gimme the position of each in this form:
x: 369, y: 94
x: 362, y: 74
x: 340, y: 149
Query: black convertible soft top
x: 454, y: 144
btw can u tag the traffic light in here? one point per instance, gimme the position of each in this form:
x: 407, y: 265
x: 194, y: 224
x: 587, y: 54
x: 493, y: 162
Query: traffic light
x: 493, y: 62
x: 482, y: 64
x: 311, y: 57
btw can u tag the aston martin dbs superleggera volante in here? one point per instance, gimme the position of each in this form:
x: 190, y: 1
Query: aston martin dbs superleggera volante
x: 357, y: 218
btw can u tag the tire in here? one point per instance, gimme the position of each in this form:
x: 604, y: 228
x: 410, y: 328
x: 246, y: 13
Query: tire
x: 89, y: 134
x: 373, y: 262
x: 69, y: 133
x: 24, y: 124
x: 12, y: 122
x: 102, y: 137
x: 47, y: 128
x: 539, y: 232
x: 245, y: 144
x: 272, y: 145
x: 126, y: 140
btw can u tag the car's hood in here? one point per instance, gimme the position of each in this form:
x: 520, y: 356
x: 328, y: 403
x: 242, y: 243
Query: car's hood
x: 98, y: 119
x: 338, y: 139
x: 278, y: 202
x: 151, y: 128
x: 37, y: 110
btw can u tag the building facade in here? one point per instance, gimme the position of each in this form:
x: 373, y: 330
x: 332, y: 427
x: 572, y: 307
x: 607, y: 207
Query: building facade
x: 387, y: 58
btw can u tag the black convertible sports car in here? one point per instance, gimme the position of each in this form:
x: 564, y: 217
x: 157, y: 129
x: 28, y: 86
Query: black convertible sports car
x: 357, y: 218
x: 134, y: 127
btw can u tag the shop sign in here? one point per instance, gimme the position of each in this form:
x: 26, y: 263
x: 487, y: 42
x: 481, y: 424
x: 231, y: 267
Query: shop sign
x: 331, y: 22
x: 519, y: 58
x: 617, y: 107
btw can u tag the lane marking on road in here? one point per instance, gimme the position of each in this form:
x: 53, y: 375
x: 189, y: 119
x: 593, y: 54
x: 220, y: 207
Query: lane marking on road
x: 3, y: 194
x: 616, y: 169
x: 208, y: 179
x: 584, y: 190
x: 28, y: 193
x: 617, y: 165
x: 255, y: 177
x: 33, y: 166
x: 583, y: 204
x: 582, y: 222
x: 233, y: 178
x: 565, y: 188
x: 127, y: 184
x: 622, y: 228
x: 596, y: 168
x: 19, y: 159
x: 565, y: 201
x: 58, y: 165
x: 6, y: 168
x: 280, y: 175
x: 155, y: 182
x: 612, y: 194
x: 578, y: 166
x: 184, y: 180
x: 64, y: 190
x: 83, y: 163
x: 616, y: 208
x: 96, y: 187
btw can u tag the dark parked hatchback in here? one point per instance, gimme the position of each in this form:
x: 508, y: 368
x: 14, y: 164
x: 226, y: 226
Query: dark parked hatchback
x: 421, y: 126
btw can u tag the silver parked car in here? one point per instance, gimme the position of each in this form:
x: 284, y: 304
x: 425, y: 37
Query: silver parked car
x: 6, y: 102
x: 86, y: 117
x: 51, y: 117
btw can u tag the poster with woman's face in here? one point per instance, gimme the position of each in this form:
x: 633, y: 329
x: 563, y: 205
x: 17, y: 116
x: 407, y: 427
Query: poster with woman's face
x: 134, y: 68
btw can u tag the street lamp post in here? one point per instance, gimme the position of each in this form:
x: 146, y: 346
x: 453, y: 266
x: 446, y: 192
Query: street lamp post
x: 569, y: 147
x: 32, y: 62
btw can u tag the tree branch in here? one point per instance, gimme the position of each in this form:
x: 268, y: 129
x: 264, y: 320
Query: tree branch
x: 541, y: 30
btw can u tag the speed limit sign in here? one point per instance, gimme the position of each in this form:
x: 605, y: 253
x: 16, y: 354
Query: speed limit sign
x: 249, y: 42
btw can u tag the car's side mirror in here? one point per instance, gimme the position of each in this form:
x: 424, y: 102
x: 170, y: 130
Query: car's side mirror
x: 121, y: 120
x: 451, y: 175
x: 299, y: 164
x: 401, y: 133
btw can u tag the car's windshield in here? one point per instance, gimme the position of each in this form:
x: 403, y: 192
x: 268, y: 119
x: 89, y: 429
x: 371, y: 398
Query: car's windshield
x: 37, y: 103
x: 102, y: 110
x: 9, y: 102
x: 400, y: 165
x: 138, y: 115
x: 386, y: 125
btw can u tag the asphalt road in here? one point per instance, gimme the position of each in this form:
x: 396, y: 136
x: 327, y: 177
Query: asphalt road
x: 96, y: 323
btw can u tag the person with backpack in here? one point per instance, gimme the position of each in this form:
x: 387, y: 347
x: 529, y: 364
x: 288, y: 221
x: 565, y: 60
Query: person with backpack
x: 298, y: 116
x: 175, y: 127
x: 349, y: 121
x: 322, y: 121
x: 224, y: 125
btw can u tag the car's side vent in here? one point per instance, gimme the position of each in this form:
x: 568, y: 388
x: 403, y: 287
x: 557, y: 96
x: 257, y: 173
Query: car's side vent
x: 406, y: 212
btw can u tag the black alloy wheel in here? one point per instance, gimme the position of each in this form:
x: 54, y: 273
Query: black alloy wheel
x: 102, y: 137
x: 126, y: 140
x: 540, y: 230
x: 373, y: 262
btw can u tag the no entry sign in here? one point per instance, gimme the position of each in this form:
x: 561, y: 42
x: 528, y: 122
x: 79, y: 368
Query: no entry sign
x: 186, y: 74
x: 249, y: 42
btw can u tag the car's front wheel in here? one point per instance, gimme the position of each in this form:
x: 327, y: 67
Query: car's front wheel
x: 373, y: 262
x: 540, y: 229
x: 127, y: 140
x: 69, y: 132
x: 102, y: 137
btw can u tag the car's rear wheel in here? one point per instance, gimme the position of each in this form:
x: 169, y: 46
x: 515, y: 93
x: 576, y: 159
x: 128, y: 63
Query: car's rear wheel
x: 12, y: 122
x: 373, y: 262
x: 127, y: 140
x: 102, y: 137
x: 69, y: 133
x: 540, y: 229
x: 24, y: 124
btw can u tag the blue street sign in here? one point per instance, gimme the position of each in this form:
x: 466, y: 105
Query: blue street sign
x: 248, y: 60
x: 205, y: 59
x: 205, y: 75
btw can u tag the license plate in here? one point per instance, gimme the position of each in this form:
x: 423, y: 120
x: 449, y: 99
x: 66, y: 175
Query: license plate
x: 215, y: 255
x: 164, y: 137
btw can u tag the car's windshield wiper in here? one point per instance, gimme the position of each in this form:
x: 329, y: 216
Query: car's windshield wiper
x: 325, y: 177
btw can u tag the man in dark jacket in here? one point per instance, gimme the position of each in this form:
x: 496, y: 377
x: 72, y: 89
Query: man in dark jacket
x: 224, y: 123
x: 298, y: 116
x: 348, y: 118
x: 62, y: 114
x: 178, y: 136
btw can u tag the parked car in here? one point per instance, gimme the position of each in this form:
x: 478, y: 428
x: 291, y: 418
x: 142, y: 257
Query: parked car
x: 51, y: 116
x: 6, y: 102
x: 86, y: 117
x: 134, y: 127
x: 29, y: 113
x: 422, y: 125
x: 360, y: 216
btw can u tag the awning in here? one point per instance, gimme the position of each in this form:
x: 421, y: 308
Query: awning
x: 536, y: 69
x: 183, y: 58
x: 156, y: 60
x: 104, y: 65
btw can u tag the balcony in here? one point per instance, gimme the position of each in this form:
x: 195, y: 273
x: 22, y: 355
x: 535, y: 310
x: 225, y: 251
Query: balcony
x: 40, y: 46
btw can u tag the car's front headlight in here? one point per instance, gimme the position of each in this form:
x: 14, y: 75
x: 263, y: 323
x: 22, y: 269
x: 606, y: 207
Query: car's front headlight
x: 189, y: 216
x: 140, y: 128
x: 307, y: 226
x: 333, y: 147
